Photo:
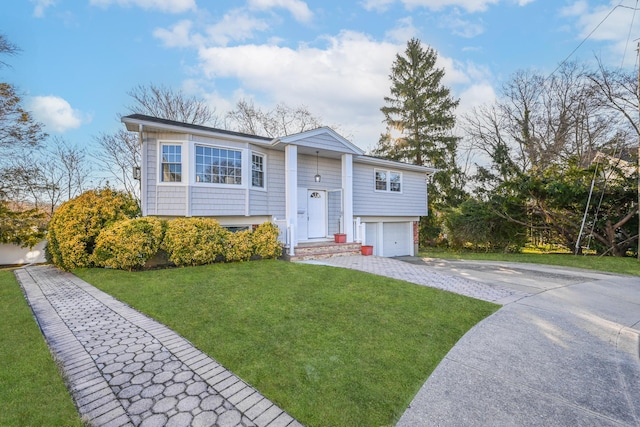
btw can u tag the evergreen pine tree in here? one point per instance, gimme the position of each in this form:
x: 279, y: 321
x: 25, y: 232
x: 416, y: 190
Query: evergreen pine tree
x: 419, y: 116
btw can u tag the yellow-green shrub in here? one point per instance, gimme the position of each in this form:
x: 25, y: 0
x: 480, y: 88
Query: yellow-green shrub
x: 265, y: 241
x: 238, y: 246
x: 75, y: 225
x: 129, y: 244
x: 194, y: 241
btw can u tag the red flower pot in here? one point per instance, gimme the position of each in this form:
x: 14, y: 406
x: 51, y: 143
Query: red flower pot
x: 340, y: 238
x: 366, y: 250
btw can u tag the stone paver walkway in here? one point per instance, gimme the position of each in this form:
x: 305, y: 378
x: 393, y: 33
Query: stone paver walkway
x: 125, y: 369
x: 420, y: 275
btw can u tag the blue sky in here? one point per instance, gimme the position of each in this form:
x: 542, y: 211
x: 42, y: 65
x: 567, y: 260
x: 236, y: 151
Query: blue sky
x: 80, y: 57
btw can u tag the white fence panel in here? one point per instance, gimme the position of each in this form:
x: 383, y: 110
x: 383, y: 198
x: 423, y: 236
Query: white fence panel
x: 15, y: 255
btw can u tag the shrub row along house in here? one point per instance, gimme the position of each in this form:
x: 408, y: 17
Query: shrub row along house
x: 312, y: 184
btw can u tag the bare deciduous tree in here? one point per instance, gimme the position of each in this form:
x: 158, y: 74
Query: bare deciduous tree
x: 119, y: 154
x: 166, y: 103
x: 45, y: 178
x: 539, y: 122
x: 281, y: 121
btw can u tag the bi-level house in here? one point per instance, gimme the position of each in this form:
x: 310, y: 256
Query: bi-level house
x: 312, y: 184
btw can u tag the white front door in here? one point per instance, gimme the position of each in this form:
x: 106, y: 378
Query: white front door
x: 316, y: 214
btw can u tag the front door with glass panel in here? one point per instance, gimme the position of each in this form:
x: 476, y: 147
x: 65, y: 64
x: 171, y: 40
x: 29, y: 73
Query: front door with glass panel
x: 316, y: 214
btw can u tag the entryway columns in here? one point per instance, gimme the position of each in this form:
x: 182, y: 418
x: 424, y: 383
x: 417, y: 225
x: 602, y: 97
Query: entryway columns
x: 347, y: 194
x: 291, y: 190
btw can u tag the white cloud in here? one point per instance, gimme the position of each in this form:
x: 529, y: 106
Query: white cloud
x: 297, y: 8
x: 459, y: 26
x: 404, y: 31
x: 343, y: 82
x: 170, y: 6
x: 605, y: 23
x: 377, y: 5
x: 481, y: 93
x: 576, y: 9
x: 178, y: 35
x: 236, y: 25
x: 41, y: 5
x: 56, y: 113
x: 468, y: 5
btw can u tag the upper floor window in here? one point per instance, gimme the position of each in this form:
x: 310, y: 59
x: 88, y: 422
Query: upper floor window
x: 395, y: 182
x: 388, y: 181
x: 218, y: 165
x: 171, y: 163
x: 381, y: 180
x: 257, y: 170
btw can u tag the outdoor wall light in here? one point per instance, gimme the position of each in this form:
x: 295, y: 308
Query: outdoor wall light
x: 317, y: 178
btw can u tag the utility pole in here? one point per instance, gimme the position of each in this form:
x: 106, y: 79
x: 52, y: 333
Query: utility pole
x: 638, y: 95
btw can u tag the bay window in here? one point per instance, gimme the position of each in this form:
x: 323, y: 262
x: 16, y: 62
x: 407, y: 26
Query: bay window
x: 218, y: 165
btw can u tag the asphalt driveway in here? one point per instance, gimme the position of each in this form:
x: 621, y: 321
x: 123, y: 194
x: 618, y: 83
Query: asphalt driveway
x: 564, y: 350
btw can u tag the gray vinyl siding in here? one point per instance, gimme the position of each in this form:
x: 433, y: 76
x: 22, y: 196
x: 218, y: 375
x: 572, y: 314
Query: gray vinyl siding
x: 324, y: 141
x: 412, y: 201
x: 172, y: 200
x: 160, y: 199
x: 151, y: 173
x: 330, y: 170
x: 198, y: 139
x: 208, y: 201
x: 276, y: 205
x: 334, y: 207
x: 258, y: 202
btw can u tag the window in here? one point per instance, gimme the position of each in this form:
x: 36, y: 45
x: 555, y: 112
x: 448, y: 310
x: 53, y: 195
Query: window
x: 218, y: 166
x: 171, y: 163
x: 388, y: 181
x: 395, y: 181
x: 257, y: 170
x: 381, y: 181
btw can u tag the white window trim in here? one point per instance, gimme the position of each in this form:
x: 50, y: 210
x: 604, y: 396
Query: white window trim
x: 388, y: 173
x: 184, y: 162
x: 264, y: 170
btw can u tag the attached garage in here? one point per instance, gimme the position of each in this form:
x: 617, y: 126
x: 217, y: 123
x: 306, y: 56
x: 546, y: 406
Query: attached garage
x: 397, y: 239
x: 390, y: 238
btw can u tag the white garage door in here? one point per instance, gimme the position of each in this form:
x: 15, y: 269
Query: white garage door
x: 398, y: 238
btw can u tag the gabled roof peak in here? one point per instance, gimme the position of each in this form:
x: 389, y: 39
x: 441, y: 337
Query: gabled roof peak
x: 321, y: 138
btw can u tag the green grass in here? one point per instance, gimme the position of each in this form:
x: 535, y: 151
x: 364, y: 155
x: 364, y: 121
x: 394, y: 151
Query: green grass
x: 333, y: 347
x: 32, y: 392
x: 619, y: 265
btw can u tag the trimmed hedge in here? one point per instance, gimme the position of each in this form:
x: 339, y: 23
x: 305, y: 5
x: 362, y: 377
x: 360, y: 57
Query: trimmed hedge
x: 100, y: 228
x: 194, y: 241
x: 265, y: 241
x: 129, y: 244
x: 76, y: 224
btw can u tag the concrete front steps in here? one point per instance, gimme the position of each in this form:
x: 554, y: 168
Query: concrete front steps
x: 320, y: 250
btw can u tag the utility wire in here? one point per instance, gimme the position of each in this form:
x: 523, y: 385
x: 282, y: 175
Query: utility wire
x: 587, y: 38
x: 633, y: 18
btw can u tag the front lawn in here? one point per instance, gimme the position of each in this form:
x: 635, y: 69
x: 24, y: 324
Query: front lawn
x: 31, y: 389
x: 333, y: 347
